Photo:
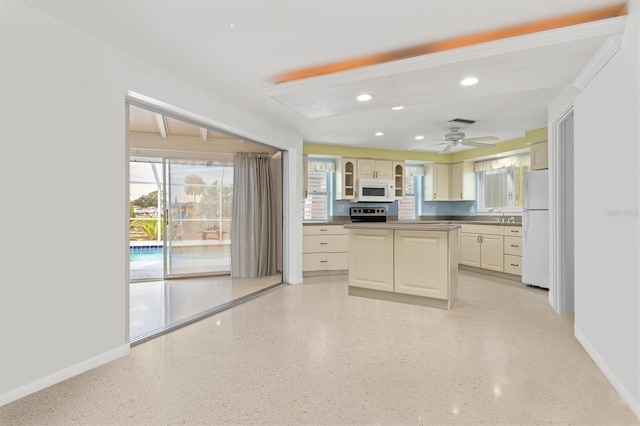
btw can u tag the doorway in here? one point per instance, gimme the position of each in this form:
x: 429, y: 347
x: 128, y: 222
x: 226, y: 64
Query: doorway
x: 181, y: 192
x: 562, y: 249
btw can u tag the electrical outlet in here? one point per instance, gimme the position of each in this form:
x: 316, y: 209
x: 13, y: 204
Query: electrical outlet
x: 340, y: 207
x: 433, y: 209
x: 471, y: 208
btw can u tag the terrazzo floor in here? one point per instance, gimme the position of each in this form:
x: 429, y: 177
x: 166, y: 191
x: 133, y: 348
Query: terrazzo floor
x: 156, y: 304
x: 312, y: 355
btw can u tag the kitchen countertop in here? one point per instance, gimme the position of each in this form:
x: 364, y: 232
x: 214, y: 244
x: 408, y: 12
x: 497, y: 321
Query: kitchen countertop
x: 412, y: 222
x: 403, y: 225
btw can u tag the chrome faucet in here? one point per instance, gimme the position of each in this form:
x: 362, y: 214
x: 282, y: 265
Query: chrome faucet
x: 493, y: 209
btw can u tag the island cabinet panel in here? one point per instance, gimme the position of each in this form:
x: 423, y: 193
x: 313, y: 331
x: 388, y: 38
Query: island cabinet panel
x: 421, y: 263
x: 371, y: 259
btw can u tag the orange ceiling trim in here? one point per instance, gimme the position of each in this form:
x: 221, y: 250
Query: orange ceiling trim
x: 457, y: 42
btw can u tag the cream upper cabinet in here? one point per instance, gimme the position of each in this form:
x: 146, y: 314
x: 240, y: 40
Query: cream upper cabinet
x: 346, y: 178
x: 436, y: 182
x: 463, y: 181
x: 539, y: 156
x: 398, y: 179
x: 374, y: 169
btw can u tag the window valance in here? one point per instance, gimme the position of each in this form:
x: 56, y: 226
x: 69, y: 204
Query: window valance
x: 503, y: 163
x: 414, y: 170
x: 321, y: 165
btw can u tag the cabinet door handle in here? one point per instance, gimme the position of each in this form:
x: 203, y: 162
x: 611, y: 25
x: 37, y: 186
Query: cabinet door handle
x: 514, y: 264
x: 514, y: 245
x: 515, y: 230
x: 478, y: 238
x: 434, y: 195
x: 323, y: 261
x: 461, y: 195
x: 324, y: 244
x: 323, y: 230
x: 482, y: 238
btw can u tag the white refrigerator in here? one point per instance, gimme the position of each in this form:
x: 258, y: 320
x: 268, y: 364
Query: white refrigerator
x: 535, y: 223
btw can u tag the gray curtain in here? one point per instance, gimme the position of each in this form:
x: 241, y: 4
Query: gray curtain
x: 253, y: 225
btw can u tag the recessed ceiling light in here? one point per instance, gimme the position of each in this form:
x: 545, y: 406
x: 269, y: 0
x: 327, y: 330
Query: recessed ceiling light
x: 230, y: 25
x: 397, y: 108
x: 379, y: 133
x: 419, y: 137
x: 469, y: 81
x: 364, y: 97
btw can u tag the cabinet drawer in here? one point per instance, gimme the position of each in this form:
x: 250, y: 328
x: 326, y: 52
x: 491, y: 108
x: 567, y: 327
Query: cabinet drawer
x: 324, y: 230
x: 513, y: 264
x: 513, y: 230
x: 482, y: 229
x: 324, y: 261
x: 325, y: 243
x: 513, y: 245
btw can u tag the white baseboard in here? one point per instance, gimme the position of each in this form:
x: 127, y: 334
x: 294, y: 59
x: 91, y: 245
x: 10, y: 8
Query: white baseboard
x: 626, y: 396
x: 65, y: 374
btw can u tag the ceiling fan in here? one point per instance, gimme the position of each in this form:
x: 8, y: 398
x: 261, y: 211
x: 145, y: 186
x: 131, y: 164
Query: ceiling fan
x: 454, y: 137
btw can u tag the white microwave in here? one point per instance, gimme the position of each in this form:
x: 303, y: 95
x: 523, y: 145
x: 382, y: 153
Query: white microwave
x: 375, y: 191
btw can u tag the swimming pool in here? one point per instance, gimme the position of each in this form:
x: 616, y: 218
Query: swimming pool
x: 145, y: 254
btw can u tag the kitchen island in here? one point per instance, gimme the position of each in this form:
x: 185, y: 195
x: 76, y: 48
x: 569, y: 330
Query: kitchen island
x: 414, y: 263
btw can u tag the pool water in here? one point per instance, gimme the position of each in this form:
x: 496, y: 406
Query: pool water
x: 145, y: 254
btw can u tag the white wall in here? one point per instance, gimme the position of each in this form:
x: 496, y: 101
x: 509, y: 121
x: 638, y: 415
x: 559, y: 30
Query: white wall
x: 63, y: 159
x: 607, y: 290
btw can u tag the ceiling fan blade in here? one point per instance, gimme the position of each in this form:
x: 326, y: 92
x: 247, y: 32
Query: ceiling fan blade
x: 447, y: 148
x: 422, y: 147
x: 477, y: 144
x: 482, y: 138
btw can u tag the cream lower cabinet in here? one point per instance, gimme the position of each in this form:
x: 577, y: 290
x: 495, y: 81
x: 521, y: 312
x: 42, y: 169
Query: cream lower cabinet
x: 325, y: 249
x: 470, y: 249
x: 420, y: 263
x: 371, y: 259
x: 513, y: 250
x: 482, y: 246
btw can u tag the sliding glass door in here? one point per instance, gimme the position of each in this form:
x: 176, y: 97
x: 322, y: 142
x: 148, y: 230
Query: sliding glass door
x: 198, y: 217
x: 180, y: 217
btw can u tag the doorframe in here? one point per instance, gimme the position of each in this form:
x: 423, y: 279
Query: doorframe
x: 559, y: 290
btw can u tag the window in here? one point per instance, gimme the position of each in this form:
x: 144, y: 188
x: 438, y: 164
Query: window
x: 501, y: 183
x: 407, y: 207
x: 316, y: 205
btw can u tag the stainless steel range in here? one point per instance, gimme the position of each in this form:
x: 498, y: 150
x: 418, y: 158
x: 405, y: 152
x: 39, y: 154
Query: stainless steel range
x: 368, y: 214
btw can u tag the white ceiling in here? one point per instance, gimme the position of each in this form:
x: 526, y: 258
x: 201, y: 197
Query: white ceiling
x: 238, y: 48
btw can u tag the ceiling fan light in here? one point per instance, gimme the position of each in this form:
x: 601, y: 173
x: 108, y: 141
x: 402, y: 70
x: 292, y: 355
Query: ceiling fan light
x: 419, y: 137
x: 397, y: 108
x: 379, y: 133
x: 469, y: 81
